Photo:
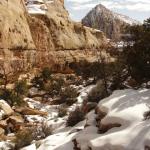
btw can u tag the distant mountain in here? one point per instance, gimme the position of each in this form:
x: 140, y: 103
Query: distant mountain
x: 109, y: 22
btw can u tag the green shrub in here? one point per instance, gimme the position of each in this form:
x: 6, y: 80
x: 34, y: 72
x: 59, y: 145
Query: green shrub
x: 46, y: 130
x: 42, y: 78
x: 62, y: 111
x: 75, y: 117
x: 46, y: 74
x: 69, y: 95
x: 21, y: 87
x: 38, y: 82
x: 11, y: 97
x: 57, y: 84
x: 97, y: 93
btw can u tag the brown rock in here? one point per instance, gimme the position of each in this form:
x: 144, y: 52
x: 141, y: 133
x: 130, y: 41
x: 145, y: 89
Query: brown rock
x: 2, y: 131
x: 6, y: 108
x: 15, y: 119
x: 14, y: 123
x: 132, y: 82
x: 104, y: 128
x: 30, y: 111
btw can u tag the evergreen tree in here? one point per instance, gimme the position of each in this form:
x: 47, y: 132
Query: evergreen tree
x: 137, y: 51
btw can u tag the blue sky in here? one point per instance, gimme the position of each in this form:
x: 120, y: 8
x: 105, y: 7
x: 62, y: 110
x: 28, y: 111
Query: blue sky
x: 136, y: 9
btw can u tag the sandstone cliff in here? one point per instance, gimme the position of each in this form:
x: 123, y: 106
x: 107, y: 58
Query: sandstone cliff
x: 111, y: 23
x: 37, y: 40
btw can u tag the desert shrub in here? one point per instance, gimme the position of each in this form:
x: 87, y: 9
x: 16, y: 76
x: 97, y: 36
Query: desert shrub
x: 69, y: 95
x: 75, y: 117
x: 21, y: 87
x: 11, y: 97
x: 57, y: 84
x: 24, y: 138
x: 43, y: 77
x: 44, y: 130
x: 97, y: 93
x: 54, y: 86
x: 46, y: 74
x: 38, y: 82
x: 62, y: 111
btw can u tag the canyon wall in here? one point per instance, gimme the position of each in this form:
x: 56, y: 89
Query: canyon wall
x: 37, y: 40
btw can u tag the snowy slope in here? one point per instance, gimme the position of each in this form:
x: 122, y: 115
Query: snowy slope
x: 126, y: 19
x: 37, y: 6
x: 125, y: 107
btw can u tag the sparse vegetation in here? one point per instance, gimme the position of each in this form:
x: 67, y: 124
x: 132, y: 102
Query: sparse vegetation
x: 46, y: 74
x: 41, y: 79
x: 11, y: 97
x: 75, y: 117
x: 97, y: 93
x: 24, y: 138
x: 21, y: 87
x: 69, y: 95
x: 45, y: 130
x: 62, y: 111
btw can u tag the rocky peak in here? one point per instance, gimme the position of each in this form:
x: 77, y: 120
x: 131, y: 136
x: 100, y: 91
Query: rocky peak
x: 109, y: 22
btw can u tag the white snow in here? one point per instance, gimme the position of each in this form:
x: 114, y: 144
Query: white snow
x: 125, y: 107
x: 126, y: 19
x: 38, y: 6
x: 6, y: 145
x: 30, y: 147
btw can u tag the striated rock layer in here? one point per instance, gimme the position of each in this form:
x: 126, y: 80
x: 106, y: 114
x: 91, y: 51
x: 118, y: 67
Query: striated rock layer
x: 37, y: 40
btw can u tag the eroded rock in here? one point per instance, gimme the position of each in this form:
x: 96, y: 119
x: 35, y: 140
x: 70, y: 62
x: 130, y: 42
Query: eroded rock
x: 7, y: 110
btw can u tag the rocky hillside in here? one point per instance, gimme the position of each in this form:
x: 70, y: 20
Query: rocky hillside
x: 30, y: 40
x: 125, y: 114
x: 109, y: 22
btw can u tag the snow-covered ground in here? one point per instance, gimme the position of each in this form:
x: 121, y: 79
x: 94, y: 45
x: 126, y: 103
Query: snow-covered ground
x: 52, y: 110
x: 125, y: 107
x: 37, y: 6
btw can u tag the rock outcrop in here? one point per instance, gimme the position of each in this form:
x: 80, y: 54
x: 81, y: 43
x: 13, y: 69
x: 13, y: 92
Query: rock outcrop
x: 7, y: 110
x: 111, y: 23
x: 49, y: 39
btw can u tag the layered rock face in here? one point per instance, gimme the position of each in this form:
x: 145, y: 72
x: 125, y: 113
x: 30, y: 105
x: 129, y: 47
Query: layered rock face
x: 111, y: 23
x: 37, y: 40
x: 16, y: 43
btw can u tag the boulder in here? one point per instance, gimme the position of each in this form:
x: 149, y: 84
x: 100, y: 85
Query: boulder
x: 14, y: 123
x: 30, y: 111
x: 4, y: 106
x: 34, y: 92
x: 91, y: 105
x: 104, y: 128
x: 2, y: 131
x: 16, y: 119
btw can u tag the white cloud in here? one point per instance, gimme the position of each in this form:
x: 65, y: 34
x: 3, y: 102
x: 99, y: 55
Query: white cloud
x: 137, y: 5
